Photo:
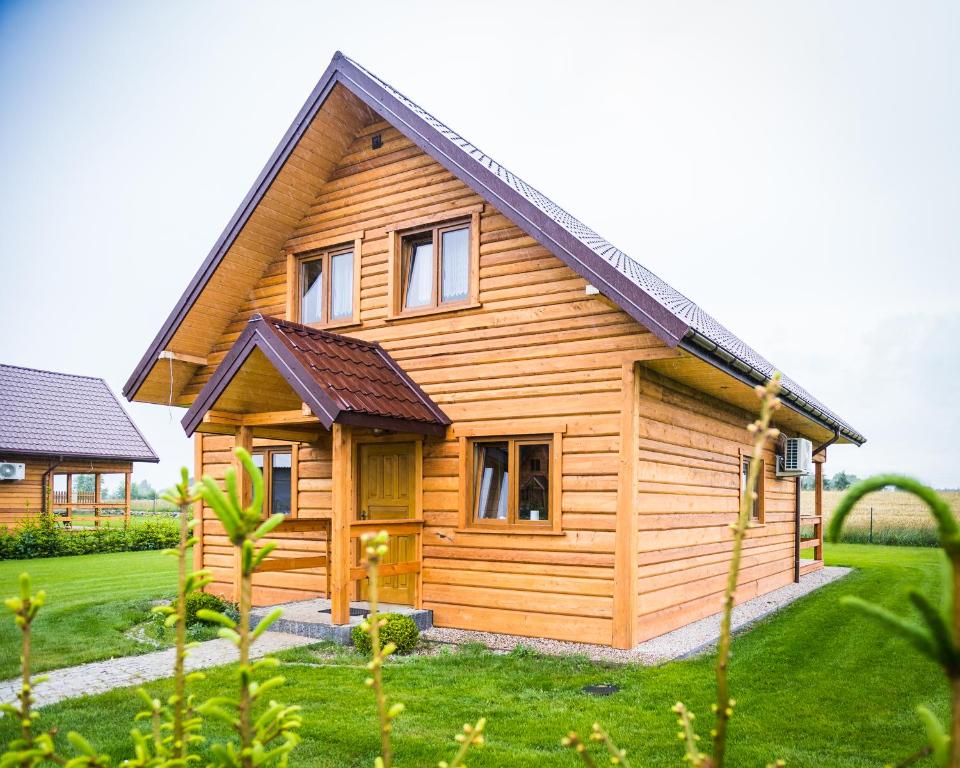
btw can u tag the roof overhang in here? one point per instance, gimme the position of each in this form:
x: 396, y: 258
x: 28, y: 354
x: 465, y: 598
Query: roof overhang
x: 75, y: 455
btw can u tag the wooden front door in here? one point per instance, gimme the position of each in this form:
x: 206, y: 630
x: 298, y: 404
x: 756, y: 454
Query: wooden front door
x: 387, y: 492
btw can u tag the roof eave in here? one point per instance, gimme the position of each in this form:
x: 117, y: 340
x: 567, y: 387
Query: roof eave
x: 15, y: 451
x: 701, y: 347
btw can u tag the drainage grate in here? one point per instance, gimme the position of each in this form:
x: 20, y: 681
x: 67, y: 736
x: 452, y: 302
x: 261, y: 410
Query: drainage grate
x: 603, y: 689
x: 353, y: 611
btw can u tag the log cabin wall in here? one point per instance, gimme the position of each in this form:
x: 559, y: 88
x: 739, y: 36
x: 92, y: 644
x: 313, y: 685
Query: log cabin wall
x: 690, y: 448
x: 20, y: 499
x: 537, y: 350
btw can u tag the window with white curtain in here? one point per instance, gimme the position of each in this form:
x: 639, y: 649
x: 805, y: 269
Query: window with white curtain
x: 327, y: 283
x: 341, y: 285
x: 454, y: 264
x: 435, y: 267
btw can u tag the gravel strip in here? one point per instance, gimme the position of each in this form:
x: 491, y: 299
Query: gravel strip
x: 102, y: 676
x: 685, y: 642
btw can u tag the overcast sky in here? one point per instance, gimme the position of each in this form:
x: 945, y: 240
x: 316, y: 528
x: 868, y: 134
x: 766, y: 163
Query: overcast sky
x: 794, y: 167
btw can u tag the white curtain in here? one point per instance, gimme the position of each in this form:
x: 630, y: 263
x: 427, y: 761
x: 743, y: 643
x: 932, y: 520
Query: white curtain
x: 455, y: 265
x: 311, y: 286
x: 420, y: 278
x: 341, y: 286
x: 492, y: 495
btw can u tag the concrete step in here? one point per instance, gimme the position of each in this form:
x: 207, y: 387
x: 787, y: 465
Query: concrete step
x: 311, y: 618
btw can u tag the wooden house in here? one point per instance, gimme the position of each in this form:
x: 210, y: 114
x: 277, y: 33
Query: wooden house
x: 409, y: 337
x: 67, y: 446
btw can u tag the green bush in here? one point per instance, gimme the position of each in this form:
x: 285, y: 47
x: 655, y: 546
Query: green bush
x: 400, y: 630
x: 197, y: 601
x: 42, y: 536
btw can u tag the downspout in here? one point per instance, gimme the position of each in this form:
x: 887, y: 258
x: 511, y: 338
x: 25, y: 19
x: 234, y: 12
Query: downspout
x: 43, y: 484
x: 796, y: 511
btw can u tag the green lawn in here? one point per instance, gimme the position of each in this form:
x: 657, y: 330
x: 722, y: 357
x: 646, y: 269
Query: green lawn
x: 91, y: 601
x: 816, y: 685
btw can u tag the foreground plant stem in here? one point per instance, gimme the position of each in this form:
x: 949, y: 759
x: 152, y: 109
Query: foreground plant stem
x: 761, y: 433
x: 939, y: 631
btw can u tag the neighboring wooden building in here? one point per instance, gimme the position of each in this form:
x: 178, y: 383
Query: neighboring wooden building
x: 410, y: 337
x: 67, y: 446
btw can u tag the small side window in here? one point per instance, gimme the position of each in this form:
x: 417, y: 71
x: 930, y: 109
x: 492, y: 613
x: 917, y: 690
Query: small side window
x: 756, y: 511
x: 276, y: 464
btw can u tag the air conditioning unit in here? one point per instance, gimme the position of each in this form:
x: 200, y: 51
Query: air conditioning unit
x: 12, y: 471
x: 796, y: 458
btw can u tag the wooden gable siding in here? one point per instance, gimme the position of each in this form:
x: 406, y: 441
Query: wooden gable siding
x: 690, y: 448
x: 20, y: 499
x: 538, y: 350
x: 257, y: 245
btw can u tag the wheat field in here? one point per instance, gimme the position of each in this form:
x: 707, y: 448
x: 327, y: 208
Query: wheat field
x: 898, y: 518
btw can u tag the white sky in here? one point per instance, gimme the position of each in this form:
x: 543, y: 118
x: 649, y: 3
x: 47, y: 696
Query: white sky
x: 792, y: 166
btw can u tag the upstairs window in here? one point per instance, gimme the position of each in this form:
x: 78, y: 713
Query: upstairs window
x: 435, y: 268
x: 434, y: 265
x: 327, y: 287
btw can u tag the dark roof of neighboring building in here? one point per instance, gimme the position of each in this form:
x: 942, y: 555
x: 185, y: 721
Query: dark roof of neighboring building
x: 342, y: 379
x: 640, y: 293
x: 60, y: 414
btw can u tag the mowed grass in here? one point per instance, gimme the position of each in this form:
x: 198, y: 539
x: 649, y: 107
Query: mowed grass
x: 898, y: 518
x: 92, y: 600
x: 816, y: 685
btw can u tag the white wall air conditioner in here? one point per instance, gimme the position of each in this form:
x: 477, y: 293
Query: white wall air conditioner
x: 796, y: 459
x: 12, y: 471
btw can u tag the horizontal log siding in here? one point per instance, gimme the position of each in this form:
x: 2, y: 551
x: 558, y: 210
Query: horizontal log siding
x: 688, y: 482
x: 538, y: 348
x: 24, y: 498
x: 313, y: 497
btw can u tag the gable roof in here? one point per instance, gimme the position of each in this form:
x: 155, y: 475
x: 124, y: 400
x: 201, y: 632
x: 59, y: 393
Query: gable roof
x: 343, y: 380
x: 59, y: 414
x: 666, y: 312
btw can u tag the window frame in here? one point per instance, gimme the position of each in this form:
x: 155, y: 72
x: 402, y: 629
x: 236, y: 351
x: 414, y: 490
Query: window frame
x: 400, y: 235
x: 267, y: 452
x: 757, y: 514
x: 470, y: 440
x: 324, y: 252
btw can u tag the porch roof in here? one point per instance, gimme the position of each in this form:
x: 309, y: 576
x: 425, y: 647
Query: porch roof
x: 343, y: 380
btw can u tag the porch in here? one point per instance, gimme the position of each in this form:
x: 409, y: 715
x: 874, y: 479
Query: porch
x: 80, y: 498
x: 338, y: 429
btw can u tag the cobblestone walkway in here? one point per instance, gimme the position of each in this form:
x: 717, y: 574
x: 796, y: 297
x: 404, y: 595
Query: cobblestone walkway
x: 102, y: 676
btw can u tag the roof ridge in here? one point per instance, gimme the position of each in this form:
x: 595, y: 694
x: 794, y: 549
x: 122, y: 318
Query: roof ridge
x: 56, y: 373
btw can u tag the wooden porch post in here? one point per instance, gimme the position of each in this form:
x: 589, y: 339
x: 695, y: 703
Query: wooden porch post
x: 625, y: 576
x: 818, y: 507
x: 343, y: 490
x: 96, y: 499
x: 244, y: 439
x: 127, y: 493
x: 69, y: 504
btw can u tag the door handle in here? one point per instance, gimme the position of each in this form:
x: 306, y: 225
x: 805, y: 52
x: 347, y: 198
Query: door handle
x: 363, y: 514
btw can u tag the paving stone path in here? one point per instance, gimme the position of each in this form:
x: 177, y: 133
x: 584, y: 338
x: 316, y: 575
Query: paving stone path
x: 102, y: 676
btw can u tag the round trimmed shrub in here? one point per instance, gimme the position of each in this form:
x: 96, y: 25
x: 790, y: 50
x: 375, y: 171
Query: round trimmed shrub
x: 400, y: 630
x: 197, y: 601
